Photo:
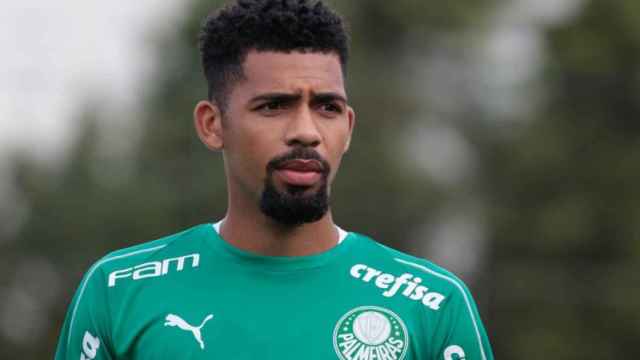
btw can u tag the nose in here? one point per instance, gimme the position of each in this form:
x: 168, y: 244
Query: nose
x: 302, y: 129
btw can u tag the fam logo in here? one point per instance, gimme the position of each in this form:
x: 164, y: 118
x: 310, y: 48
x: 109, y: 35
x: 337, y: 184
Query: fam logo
x: 370, y: 332
x: 154, y: 268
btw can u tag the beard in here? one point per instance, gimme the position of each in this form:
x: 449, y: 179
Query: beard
x: 294, y: 205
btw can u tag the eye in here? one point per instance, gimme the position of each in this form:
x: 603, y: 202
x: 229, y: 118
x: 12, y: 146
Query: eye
x: 274, y: 105
x: 331, y: 109
x: 271, y: 107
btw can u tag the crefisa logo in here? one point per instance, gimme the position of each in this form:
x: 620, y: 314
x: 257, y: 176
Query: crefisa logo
x: 370, y: 332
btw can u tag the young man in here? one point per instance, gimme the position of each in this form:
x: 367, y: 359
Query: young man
x: 276, y: 278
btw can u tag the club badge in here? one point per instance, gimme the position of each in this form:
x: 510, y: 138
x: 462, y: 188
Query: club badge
x: 370, y: 332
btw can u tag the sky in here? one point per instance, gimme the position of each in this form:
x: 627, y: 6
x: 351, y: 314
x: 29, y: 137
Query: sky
x: 56, y: 55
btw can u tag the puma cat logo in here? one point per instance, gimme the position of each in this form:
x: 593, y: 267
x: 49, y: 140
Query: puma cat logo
x: 175, y: 320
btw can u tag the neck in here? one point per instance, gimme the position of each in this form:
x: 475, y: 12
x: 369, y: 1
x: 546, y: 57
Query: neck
x: 250, y: 230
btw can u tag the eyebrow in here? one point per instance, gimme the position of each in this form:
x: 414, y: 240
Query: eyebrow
x: 292, y: 97
x: 276, y: 96
x: 328, y: 97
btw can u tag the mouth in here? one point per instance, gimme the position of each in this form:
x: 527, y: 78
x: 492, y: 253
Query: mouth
x: 300, y: 172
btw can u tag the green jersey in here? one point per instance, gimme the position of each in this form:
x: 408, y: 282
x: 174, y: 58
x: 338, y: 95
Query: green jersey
x: 194, y: 296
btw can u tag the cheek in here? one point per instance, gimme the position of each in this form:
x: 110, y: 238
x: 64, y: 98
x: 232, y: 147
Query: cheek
x: 336, y: 149
x: 249, y: 151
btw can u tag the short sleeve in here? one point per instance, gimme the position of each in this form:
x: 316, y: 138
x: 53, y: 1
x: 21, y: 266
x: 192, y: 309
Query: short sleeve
x: 85, y: 332
x: 461, y: 334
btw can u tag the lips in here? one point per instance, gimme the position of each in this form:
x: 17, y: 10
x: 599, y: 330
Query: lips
x: 300, y: 172
x: 302, y: 165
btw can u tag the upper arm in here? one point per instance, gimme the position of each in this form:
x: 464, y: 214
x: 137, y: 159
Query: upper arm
x: 85, y: 334
x: 461, y: 334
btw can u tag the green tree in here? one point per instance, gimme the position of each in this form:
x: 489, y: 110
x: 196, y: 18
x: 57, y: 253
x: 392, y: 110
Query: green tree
x: 565, y: 206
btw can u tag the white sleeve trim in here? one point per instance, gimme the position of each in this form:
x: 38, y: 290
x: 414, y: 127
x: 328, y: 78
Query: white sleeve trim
x: 88, y: 277
x: 464, y: 295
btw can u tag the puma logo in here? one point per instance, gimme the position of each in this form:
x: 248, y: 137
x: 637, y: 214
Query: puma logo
x: 175, y: 320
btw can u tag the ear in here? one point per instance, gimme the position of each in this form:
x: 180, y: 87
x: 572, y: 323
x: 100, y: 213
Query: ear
x: 207, y: 120
x: 351, y: 116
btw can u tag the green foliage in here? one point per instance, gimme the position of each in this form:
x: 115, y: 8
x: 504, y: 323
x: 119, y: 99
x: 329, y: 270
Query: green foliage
x: 565, y: 207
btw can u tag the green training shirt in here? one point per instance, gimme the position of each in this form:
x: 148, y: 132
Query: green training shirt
x: 194, y: 296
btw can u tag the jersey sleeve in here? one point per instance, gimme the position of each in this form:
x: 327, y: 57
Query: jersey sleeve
x: 85, y: 332
x: 461, y: 335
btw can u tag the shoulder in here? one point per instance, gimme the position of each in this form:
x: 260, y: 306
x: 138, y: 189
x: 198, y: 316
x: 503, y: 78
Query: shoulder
x: 380, y: 264
x: 401, y: 261
x: 182, y: 244
x: 175, y: 242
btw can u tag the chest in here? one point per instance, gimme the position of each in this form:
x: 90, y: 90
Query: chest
x: 266, y: 316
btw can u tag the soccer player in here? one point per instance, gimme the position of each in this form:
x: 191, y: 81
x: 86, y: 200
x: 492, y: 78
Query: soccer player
x: 275, y: 278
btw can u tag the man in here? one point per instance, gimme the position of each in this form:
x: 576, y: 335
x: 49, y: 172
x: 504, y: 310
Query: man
x: 276, y: 278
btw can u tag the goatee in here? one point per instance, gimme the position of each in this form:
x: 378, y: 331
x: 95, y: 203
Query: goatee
x: 294, y: 206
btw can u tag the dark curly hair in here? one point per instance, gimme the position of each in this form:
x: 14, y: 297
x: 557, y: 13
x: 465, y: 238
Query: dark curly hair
x: 227, y: 36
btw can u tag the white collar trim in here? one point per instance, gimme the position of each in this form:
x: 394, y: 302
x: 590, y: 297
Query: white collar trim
x: 341, y: 233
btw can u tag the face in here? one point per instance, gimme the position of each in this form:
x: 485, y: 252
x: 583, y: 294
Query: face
x: 285, y: 130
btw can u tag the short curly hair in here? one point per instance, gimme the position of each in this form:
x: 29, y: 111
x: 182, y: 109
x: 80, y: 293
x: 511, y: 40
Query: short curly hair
x: 227, y: 36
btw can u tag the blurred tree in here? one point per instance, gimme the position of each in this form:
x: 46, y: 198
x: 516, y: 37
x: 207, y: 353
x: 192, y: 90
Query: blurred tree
x: 565, y: 204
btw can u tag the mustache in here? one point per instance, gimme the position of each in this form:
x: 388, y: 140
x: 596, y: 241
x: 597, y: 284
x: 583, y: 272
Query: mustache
x: 298, y: 153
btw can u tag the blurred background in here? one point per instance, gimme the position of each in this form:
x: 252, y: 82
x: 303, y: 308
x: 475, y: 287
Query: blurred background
x: 496, y: 137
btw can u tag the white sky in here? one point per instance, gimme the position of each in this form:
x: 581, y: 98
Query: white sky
x: 54, y: 55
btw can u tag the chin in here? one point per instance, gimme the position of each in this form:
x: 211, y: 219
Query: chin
x: 294, y: 206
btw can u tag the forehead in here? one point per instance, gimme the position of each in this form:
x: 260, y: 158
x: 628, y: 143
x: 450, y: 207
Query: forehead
x: 268, y: 71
